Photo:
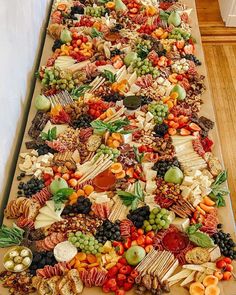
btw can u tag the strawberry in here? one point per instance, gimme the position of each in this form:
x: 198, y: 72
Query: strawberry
x: 119, y: 265
x: 123, y: 261
x: 121, y: 277
x: 112, y: 272
x: 128, y: 286
x: 151, y: 234
x: 127, y: 243
x: 134, y: 236
x: 227, y: 260
x: 148, y: 241
x: 184, y: 132
x: 141, y: 240
x: 194, y: 127
x: 220, y: 264
x: 120, y: 284
x: 140, y: 231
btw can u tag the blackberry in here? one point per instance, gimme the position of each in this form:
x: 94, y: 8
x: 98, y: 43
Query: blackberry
x: 162, y: 52
x: 145, y: 100
x: 117, y: 28
x: 83, y: 121
x: 138, y: 215
x: 82, y: 206
x: 108, y: 231
x: 163, y: 165
x: 40, y: 259
x: 116, y: 52
x: 31, y: 187
x: 113, y: 97
x: 225, y: 243
x: 193, y: 58
x: 44, y: 149
x: 161, y: 129
x: 57, y: 45
x: 76, y: 10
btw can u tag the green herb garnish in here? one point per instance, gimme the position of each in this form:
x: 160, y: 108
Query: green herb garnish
x: 109, y: 76
x: 130, y: 199
x: 164, y: 15
x: 142, y: 51
x: 116, y: 126
x: 138, y: 156
x: 199, y: 238
x: 95, y: 33
x: 50, y: 135
x: 217, y: 191
x: 10, y: 236
x: 80, y: 91
x: 61, y: 196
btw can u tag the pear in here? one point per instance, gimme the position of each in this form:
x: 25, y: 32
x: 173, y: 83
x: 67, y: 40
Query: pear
x: 180, y: 90
x: 174, y: 175
x: 58, y: 184
x: 134, y: 255
x: 42, y: 103
x: 120, y: 6
x: 174, y: 19
x: 130, y: 57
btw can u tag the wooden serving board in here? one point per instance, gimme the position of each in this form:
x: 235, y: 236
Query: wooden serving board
x: 225, y: 214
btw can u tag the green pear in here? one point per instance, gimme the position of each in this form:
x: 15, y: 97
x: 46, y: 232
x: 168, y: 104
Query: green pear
x: 120, y: 6
x: 180, y: 90
x: 174, y: 175
x: 130, y: 57
x: 134, y: 255
x: 57, y: 184
x: 174, y: 19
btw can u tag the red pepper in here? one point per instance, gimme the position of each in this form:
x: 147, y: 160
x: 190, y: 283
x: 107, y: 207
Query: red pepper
x: 130, y: 280
x: 119, y: 248
x: 127, y: 243
x: 134, y: 273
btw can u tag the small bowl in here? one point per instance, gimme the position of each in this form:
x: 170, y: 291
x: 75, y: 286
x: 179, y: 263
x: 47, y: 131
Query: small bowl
x: 18, y: 249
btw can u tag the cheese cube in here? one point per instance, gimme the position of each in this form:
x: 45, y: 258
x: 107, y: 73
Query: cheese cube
x: 37, y: 173
x: 127, y: 138
x: 186, y: 192
x: 188, y: 180
x: 197, y: 191
x: 181, y: 223
x: 149, y: 117
x: 150, y: 174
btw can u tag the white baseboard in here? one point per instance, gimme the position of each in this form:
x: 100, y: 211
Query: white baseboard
x: 230, y: 21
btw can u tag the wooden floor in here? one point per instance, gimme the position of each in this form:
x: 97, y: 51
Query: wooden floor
x: 221, y: 64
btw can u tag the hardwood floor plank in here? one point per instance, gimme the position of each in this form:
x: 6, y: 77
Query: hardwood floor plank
x: 221, y: 65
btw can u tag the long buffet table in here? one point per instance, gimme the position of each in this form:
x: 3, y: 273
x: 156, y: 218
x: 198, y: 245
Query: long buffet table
x: 225, y: 214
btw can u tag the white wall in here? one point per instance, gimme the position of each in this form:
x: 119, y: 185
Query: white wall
x: 20, y: 32
x: 228, y: 12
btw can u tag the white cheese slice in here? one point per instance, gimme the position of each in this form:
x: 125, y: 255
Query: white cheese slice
x: 43, y: 217
x: 186, y: 192
x: 42, y: 223
x: 189, y: 279
x: 181, y: 223
x: 127, y: 138
x: 132, y: 79
x: 188, y: 180
x: 51, y: 206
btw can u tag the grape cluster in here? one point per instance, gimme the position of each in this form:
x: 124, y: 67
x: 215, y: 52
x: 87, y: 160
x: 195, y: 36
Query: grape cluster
x: 61, y: 80
x: 57, y: 44
x: 158, y: 219
x: 44, y: 149
x: 193, y: 58
x: 159, y: 111
x: 31, y: 187
x: 83, y: 121
x: 138, y: 216
x: 82, y: 206
x: 87, y: 244
x: 97, y: 11
x: 103, y: 149
x: 225, y: 243
x: 144, y: 67
x: 108, y: 231
x: 40, y: 259
x: 163, y: 165
x: 161, y: 129
x: 179, y: 34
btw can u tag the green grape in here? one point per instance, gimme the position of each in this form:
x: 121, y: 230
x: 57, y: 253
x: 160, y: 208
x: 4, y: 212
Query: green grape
x: 151, y: 221
x: 94, y: 252
x: 164, y: 211
x: 145, y: 223
x: 155, y: 210
x: 86, y: 242
x: 149, y: 228
x: 152, y: 216
x: 100, y: 249
x: 154, y: 226
x: 91, y: 243
x: 78, y: 234
x: 162, y: 223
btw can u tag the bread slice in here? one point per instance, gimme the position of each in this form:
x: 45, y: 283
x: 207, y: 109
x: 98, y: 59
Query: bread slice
x: 62, y: 282
x: 44, y: 288
x: 36, y: 281
x: 53, y: 285
x: 77, y: 284
x: 67, y: 289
